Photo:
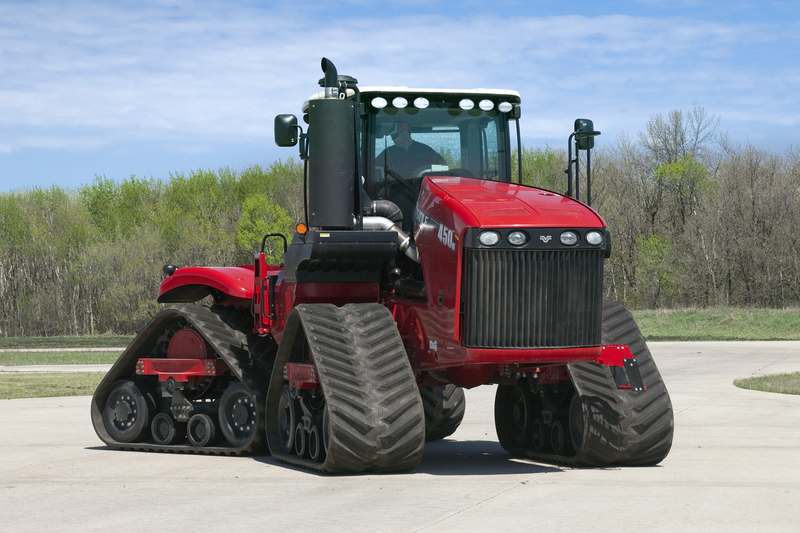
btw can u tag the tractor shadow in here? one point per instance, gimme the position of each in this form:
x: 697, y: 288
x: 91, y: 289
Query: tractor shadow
x: 454, y: 458
x: 468, y: 458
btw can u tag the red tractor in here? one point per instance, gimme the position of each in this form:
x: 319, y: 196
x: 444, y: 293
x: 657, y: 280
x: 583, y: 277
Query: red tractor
x: 421, y: 269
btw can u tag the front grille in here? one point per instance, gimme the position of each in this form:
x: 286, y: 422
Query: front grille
x: 532, y: 299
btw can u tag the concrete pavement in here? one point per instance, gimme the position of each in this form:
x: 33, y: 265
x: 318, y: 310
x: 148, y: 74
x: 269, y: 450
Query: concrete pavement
x: 734, y: 466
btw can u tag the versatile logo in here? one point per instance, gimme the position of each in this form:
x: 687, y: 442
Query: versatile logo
x: 545, y: 238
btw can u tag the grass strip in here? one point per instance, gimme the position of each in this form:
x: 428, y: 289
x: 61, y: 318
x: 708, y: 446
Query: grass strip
x: 17, y: 385
x: 76, y: 341
x: 57, y: 358
x: 719, y: 324
x: 780, y: 383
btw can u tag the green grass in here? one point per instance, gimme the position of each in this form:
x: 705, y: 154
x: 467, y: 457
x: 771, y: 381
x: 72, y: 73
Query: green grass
x: 781, y: 383
x: 57, y: 358
x: 84, y: 341
x: 719, y: 324
x: 35, y: 385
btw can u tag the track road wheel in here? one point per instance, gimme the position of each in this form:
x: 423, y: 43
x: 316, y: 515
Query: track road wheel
x: 201, y: 431
x: 538, y: 441
x: 576, y: 421
x: 127, y: 412
x: 557, y: 438
x: 513, y: 416
x: 165, y: 431
x: 238, y: 414
x: 367, y: 405
x: 444, y: 410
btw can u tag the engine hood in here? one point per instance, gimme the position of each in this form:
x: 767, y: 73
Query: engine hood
x: 500, y: 204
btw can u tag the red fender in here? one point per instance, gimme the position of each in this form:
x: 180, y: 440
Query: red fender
x: 191, y: 284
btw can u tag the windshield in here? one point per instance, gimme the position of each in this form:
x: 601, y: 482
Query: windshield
x: 404, y: 144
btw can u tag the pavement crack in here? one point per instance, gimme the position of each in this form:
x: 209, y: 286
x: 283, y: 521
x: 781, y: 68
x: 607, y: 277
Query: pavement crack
x: 699, y: 403
x: 476, y: 504
x: 767, y: 366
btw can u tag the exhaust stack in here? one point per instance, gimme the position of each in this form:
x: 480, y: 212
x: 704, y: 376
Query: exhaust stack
x: 332, y: 157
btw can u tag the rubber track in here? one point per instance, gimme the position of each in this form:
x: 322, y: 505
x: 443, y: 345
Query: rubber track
x: 376, y: 418
x: 248, y: 356
x: 621, y: 427
x: 444, y: 410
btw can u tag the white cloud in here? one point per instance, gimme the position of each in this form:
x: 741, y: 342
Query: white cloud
x: 82, y: 75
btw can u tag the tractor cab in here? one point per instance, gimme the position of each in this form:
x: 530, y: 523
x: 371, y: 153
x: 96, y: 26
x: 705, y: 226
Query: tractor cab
x: 412, y: 133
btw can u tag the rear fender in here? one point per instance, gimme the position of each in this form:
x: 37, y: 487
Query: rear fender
x: 191, y: 284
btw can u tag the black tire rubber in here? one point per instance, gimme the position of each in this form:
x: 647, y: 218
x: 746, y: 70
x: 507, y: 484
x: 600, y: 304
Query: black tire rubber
x: 618, y: 426
x: 285, y: 420
x: 373, y: 411
x: 229, y: 331
x: 538, y: 438
x: 513, y: 416
x: 623, y: 427
x: 238, y: 414
x: 558, y: 440
x: 128, y: 412
x: 444, y: 410
x: 164, y: 431
x: 201, y: 430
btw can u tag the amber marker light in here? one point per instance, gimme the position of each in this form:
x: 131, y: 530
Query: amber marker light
x: 302, y: 229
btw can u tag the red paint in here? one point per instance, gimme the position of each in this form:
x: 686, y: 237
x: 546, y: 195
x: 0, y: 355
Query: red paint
x: 301, y: 375
x: 182, y: 370
x: 498, y: 204
x: 613, y: 355
x: 234, y: 281
x: 188, y: 344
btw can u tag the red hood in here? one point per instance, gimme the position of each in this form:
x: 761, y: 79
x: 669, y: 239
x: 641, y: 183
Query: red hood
x: 501, y: 204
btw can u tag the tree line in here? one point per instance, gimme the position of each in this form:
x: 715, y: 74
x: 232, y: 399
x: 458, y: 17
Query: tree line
x: 696, y: 221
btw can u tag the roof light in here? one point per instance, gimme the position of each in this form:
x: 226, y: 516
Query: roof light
x: 421, y: 103
x: 400, y: 102
x: 466, y: 104
x: 505, y: 107
x: 379, y: 102
x: 486, y: 105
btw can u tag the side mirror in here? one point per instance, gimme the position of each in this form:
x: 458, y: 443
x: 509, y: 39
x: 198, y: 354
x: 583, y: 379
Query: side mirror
x: 286, y: 130
x: 585, y: 134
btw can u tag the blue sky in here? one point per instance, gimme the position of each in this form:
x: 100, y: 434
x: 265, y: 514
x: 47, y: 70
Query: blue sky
x: 147, y: 88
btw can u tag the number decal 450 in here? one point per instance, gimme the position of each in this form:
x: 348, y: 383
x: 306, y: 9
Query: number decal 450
x: 446, y: 236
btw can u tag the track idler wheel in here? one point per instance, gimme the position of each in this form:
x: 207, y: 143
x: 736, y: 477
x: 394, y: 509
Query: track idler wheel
x: 238, y: 414
x: 127, y: 412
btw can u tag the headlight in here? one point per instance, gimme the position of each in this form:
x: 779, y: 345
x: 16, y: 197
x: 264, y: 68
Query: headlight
x: 517, y: 238
x: 594, y: 238
x: 569, y: 238
x: 489, y: 238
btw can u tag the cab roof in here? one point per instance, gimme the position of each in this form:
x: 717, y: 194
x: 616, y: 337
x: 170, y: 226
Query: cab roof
x: 511, y: 96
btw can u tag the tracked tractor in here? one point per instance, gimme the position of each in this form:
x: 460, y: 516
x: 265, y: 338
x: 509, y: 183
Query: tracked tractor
x: 421, y: 268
